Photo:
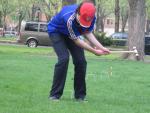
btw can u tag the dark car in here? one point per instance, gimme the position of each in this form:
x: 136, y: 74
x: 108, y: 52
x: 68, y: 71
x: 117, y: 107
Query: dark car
x: 147, y: 45
x: 119, y: 35
x: 34, y: 34
x: 124, y: 36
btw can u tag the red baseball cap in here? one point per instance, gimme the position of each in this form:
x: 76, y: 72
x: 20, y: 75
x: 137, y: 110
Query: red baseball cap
x: 87, y: 13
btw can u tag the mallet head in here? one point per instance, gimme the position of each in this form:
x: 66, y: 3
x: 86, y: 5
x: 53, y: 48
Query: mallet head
x: 135, y: 51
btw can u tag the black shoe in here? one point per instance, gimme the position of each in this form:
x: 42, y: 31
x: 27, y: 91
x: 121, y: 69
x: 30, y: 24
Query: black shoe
x: 53, y: 98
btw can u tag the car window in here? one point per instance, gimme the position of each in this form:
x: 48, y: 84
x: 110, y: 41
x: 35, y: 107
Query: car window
x: 117, y: 35
x: 43, y: 28
x: 147, y: 40
x: 114, y: 35
x: 124, y: 36
x: 120, y: 35
x: 31, y: 27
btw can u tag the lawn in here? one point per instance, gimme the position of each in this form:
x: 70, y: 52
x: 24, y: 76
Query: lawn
x: 7, y: 38
x: 113, y: 85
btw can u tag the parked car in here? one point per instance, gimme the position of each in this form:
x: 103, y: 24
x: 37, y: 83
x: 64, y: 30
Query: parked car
x: 124, y: 36
x: 34, y: 34
x: 119, y: 35
x: 147, y: 45
x: 10, y: 33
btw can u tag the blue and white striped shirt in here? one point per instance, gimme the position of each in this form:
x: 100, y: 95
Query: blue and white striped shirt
x: 65, y: 23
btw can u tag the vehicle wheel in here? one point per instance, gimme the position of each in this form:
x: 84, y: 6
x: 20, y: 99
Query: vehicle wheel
x: 32, y: 43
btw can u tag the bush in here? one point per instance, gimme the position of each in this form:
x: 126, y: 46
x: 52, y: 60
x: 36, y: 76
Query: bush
x: 103, y: 39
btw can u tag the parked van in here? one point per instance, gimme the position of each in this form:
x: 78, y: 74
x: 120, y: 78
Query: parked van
x: 34, y: 34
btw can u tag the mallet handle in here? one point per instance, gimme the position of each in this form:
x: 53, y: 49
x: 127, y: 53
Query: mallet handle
x: 122, y: 51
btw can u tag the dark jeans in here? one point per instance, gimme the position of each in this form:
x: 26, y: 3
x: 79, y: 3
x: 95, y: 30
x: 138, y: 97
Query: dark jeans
x: 63, y: 45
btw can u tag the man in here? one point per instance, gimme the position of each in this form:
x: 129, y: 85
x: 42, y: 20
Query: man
x: 65, y: 30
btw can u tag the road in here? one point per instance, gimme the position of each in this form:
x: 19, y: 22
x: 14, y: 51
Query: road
x: 15, y: 44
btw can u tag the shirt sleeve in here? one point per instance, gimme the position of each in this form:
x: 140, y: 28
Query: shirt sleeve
x: 71, y: 31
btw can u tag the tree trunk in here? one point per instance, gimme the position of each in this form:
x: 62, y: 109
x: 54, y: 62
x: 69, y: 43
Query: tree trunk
x: 4, y: 25
x: 20, y: 20
x: 98, y: 18
x: 148, y: 26
x: 99, y: 24
x: 33, y: 13
x: 102, y: 24
x: 136, y: 28
x: 101, y: 15
x: 117, y: 15
x: 0, y: 19
x: 68, y: 2
x: 124, y: 20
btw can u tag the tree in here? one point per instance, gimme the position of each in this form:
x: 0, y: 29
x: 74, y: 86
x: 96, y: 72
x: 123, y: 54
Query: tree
x: 117, y: 15
x: 51, y: 7
x: 21, y: 10
x: 124, y: 11
x: 0, y: 18
x: 35, y: 9
x: 47, y: 7
x: 136, y: 27
x: 6, y: 8
x: 67, y: 2
x: 104, y: 9
x: 147, y: 17
x: 94, y: 1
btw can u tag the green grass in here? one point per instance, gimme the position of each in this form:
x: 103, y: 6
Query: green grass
x: 7, y: 38
x: 26, y: 77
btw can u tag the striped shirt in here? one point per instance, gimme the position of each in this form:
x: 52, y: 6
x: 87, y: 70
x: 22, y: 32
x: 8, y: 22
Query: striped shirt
x: 65, y: 22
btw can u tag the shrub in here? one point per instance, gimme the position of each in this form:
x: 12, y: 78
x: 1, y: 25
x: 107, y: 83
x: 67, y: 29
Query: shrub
x: 103, y: 39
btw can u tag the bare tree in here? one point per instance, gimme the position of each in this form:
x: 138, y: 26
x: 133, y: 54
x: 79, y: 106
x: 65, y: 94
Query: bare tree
x: 124, y: 13
x: 117, y: 15
x: 136, y: 27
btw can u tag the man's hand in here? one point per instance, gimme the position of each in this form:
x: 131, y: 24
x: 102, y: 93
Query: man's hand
x: 106, y: 51
x: 91, y: 38
x: 103, y: 51
x: 96, y: 51
x: 99, y: 52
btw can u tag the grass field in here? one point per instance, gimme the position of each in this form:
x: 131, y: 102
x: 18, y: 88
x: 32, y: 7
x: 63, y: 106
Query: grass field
x: 26, y: 77
x: 7, y: 38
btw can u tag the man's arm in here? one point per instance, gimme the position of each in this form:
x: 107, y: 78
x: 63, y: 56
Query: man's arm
x: 87, y: 47
x: 95, y: 42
